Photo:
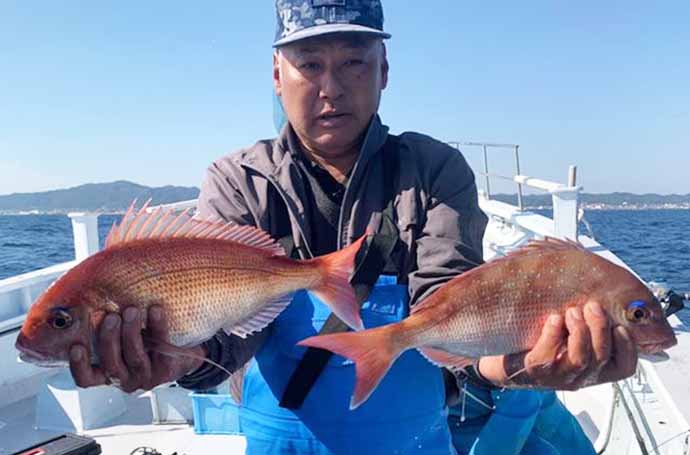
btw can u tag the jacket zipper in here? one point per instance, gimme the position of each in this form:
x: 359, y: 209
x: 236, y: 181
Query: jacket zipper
x: 284, y: 197
x: 355, y: 171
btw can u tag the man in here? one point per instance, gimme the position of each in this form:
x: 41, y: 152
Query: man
x: 333, y: 172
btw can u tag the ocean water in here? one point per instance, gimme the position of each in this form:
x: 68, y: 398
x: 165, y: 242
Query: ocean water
x: 32, y: 242
x: 655, y: 243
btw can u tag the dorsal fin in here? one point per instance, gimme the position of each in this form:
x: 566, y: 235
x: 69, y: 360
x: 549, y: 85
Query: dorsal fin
x: 533, y: 247
x: 145, y: 224
x: 548, y: 244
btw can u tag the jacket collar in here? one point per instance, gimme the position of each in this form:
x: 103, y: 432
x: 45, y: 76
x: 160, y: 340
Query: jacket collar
x: 278, y: 165
x: 281, y: 156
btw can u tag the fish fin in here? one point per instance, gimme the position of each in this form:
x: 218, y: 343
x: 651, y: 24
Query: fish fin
x: 260, y: 320
x: 536, y: 246
x: 551, y: 244
x: 421, y: 306
x: 144, y: 229
x: 548, y: 244
x: 441, y: 358
x: 144, y: 224
x: 113, y: 237
x: 562, y: 352
x: 165, y: 348
x: 137, y: 222
x: 236, y: 379
x: 168, y: 224
x: 236, y: 384
x: 111, y: 233
x: 523, y: 369
x: 373, y: 352
x: 335, y: 288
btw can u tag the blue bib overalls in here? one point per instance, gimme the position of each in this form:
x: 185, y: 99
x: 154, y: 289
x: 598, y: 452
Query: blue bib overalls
x: 405, y: 414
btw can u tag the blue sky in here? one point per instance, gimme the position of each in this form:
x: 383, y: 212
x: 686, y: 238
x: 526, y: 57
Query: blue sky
x: 153, y: 91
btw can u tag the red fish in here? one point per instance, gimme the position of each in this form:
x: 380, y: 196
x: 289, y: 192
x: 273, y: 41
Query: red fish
x: 206, y: 275
x: 500, y: 308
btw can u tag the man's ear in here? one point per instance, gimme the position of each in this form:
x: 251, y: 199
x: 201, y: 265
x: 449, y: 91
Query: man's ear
x: 277, y: 86
x: 384, y: 66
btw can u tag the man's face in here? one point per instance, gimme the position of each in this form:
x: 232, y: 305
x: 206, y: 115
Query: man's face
x: 330, y: 88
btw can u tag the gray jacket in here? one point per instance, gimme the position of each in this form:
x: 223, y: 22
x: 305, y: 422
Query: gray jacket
x: 435, y: 208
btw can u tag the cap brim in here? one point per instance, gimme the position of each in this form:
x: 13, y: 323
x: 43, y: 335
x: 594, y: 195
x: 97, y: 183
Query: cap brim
x: 326, y: 29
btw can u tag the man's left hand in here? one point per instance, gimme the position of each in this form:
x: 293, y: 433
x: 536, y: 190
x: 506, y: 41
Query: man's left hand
x: 572, y: 352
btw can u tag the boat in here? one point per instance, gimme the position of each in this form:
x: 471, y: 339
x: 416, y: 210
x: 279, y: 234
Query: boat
x: 648, y: 413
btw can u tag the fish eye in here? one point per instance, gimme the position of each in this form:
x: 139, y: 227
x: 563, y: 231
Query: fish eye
x: 61, y: 319
x: 637, y: 311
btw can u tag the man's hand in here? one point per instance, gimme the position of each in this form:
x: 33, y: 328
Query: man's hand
x: 583, y: 350
x: 124, y: 360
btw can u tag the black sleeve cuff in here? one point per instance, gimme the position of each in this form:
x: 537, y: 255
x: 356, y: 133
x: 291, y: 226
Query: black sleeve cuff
x: 474, y: 377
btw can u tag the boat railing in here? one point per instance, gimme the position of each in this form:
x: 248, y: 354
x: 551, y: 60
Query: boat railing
x: 17, y: 293
x: 564, y: 196
x: 175, y: 206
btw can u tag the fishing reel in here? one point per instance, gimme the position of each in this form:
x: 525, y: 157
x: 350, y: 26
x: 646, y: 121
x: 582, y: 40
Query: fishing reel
x: 674, y: 302
x: 671, y: 301
x: 147, y: 451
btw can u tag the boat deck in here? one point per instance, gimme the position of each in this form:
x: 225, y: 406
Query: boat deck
x: 122, y: 436
x: 648, y: 413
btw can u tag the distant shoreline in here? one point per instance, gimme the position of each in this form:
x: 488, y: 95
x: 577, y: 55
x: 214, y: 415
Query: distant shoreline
x: 56, y: 212
x: 625, y: 207
x: 113, y: 198
x: 622, y: 207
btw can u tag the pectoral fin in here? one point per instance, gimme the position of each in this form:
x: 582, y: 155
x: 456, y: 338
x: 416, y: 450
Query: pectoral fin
x: 444, y: 359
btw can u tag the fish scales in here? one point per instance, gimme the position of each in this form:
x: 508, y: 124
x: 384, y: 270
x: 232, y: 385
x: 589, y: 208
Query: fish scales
x: 194, y: 281
x: 503, y: 308
x: 205, y: 275
x: 500, y: 308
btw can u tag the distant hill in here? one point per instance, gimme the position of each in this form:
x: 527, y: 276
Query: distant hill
x: 103, y: 197
x: 116, y: 197
x: 607, y: 200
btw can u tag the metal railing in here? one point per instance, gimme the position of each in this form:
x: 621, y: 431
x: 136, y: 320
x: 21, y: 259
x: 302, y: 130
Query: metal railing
x: 485, y: 146
x: 564, y: 196
x: 17, y: 293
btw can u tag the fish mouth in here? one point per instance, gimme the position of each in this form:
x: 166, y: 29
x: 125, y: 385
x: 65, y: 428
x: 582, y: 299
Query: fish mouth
x: 655, y: 347
x: 41, y: 361
x: 28, y: 355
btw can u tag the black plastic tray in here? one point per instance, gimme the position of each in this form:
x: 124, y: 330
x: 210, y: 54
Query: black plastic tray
x: 66, y: 444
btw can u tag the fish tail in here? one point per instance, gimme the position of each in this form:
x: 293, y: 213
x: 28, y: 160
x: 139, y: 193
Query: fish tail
x: 335, y: 289
x: 373, y: 351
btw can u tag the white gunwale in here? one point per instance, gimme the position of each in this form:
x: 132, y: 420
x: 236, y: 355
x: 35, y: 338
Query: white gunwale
x: 658, y: 395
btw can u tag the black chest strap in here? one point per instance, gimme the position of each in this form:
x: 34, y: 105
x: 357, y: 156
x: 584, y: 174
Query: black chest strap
x: 376, y: 259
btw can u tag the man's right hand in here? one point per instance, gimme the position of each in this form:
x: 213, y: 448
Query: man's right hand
x: 596, y: 353
x: 124, y: 360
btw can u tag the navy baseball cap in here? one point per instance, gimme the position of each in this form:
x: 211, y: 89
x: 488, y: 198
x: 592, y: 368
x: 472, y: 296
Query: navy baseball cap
x: 300, y: 19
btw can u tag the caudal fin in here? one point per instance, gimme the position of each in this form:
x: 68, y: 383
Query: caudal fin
x: 373, y: 351
x: 335, y: 289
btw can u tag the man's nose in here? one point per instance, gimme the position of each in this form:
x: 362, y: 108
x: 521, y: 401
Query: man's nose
x: 331, y: 86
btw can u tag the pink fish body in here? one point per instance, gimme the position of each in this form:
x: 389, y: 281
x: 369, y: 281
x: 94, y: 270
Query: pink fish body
x: 207, y: 276
x: 500, y: 308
